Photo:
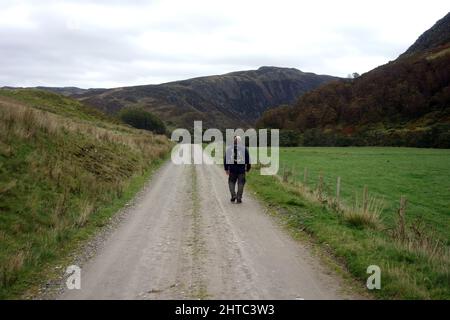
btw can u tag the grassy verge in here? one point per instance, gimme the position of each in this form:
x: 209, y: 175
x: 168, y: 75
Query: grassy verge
x: 29, y: 283
x: 405, y: 273
x: 64, y: 170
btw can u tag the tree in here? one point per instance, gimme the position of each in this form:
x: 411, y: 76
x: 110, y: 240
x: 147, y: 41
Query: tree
x: 142, y: 119
x: 289, y: 138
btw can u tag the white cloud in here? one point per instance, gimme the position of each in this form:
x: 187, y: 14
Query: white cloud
x: 116, y: 43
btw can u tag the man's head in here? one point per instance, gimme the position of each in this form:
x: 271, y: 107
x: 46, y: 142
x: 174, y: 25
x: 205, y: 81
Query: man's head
x: 237, y: 140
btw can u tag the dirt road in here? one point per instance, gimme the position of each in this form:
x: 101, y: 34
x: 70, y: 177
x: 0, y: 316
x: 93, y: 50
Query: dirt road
x: 185, y: 239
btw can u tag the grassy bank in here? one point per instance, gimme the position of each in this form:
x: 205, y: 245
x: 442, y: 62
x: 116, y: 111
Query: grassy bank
x: 64, y: 170
x: 414, y: 267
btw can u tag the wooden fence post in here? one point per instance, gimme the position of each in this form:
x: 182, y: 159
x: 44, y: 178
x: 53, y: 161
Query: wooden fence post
x: 365, y: 199
x: 401, y: 216
x: 320, y: 188
x: 338, y: 190
x: 293, y: 175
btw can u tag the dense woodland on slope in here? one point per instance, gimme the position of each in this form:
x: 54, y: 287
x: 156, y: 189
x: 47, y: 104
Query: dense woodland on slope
x: 403, y: 103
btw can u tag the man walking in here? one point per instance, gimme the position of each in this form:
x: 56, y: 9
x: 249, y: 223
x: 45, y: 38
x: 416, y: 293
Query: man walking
x: 236, y: 163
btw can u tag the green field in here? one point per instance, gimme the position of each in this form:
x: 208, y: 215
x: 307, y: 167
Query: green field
x: 418, y: 268
x: 422, y: 175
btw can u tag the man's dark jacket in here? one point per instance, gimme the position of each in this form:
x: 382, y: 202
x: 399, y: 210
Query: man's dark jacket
x: 237, y: 159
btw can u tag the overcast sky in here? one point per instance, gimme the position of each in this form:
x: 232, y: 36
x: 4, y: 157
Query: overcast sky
x: 119, y: 43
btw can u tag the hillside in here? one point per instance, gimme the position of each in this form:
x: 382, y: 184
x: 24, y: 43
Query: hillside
x: 403, y: 103
x: 65, y: 91
x: 64, y: 170
x: 222, y: 101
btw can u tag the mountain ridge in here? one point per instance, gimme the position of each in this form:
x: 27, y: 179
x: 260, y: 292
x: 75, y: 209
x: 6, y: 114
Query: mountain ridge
x: 436, y: 36
x: 224, y: 101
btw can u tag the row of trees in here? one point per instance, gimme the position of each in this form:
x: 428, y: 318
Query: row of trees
x: 436, y: 136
